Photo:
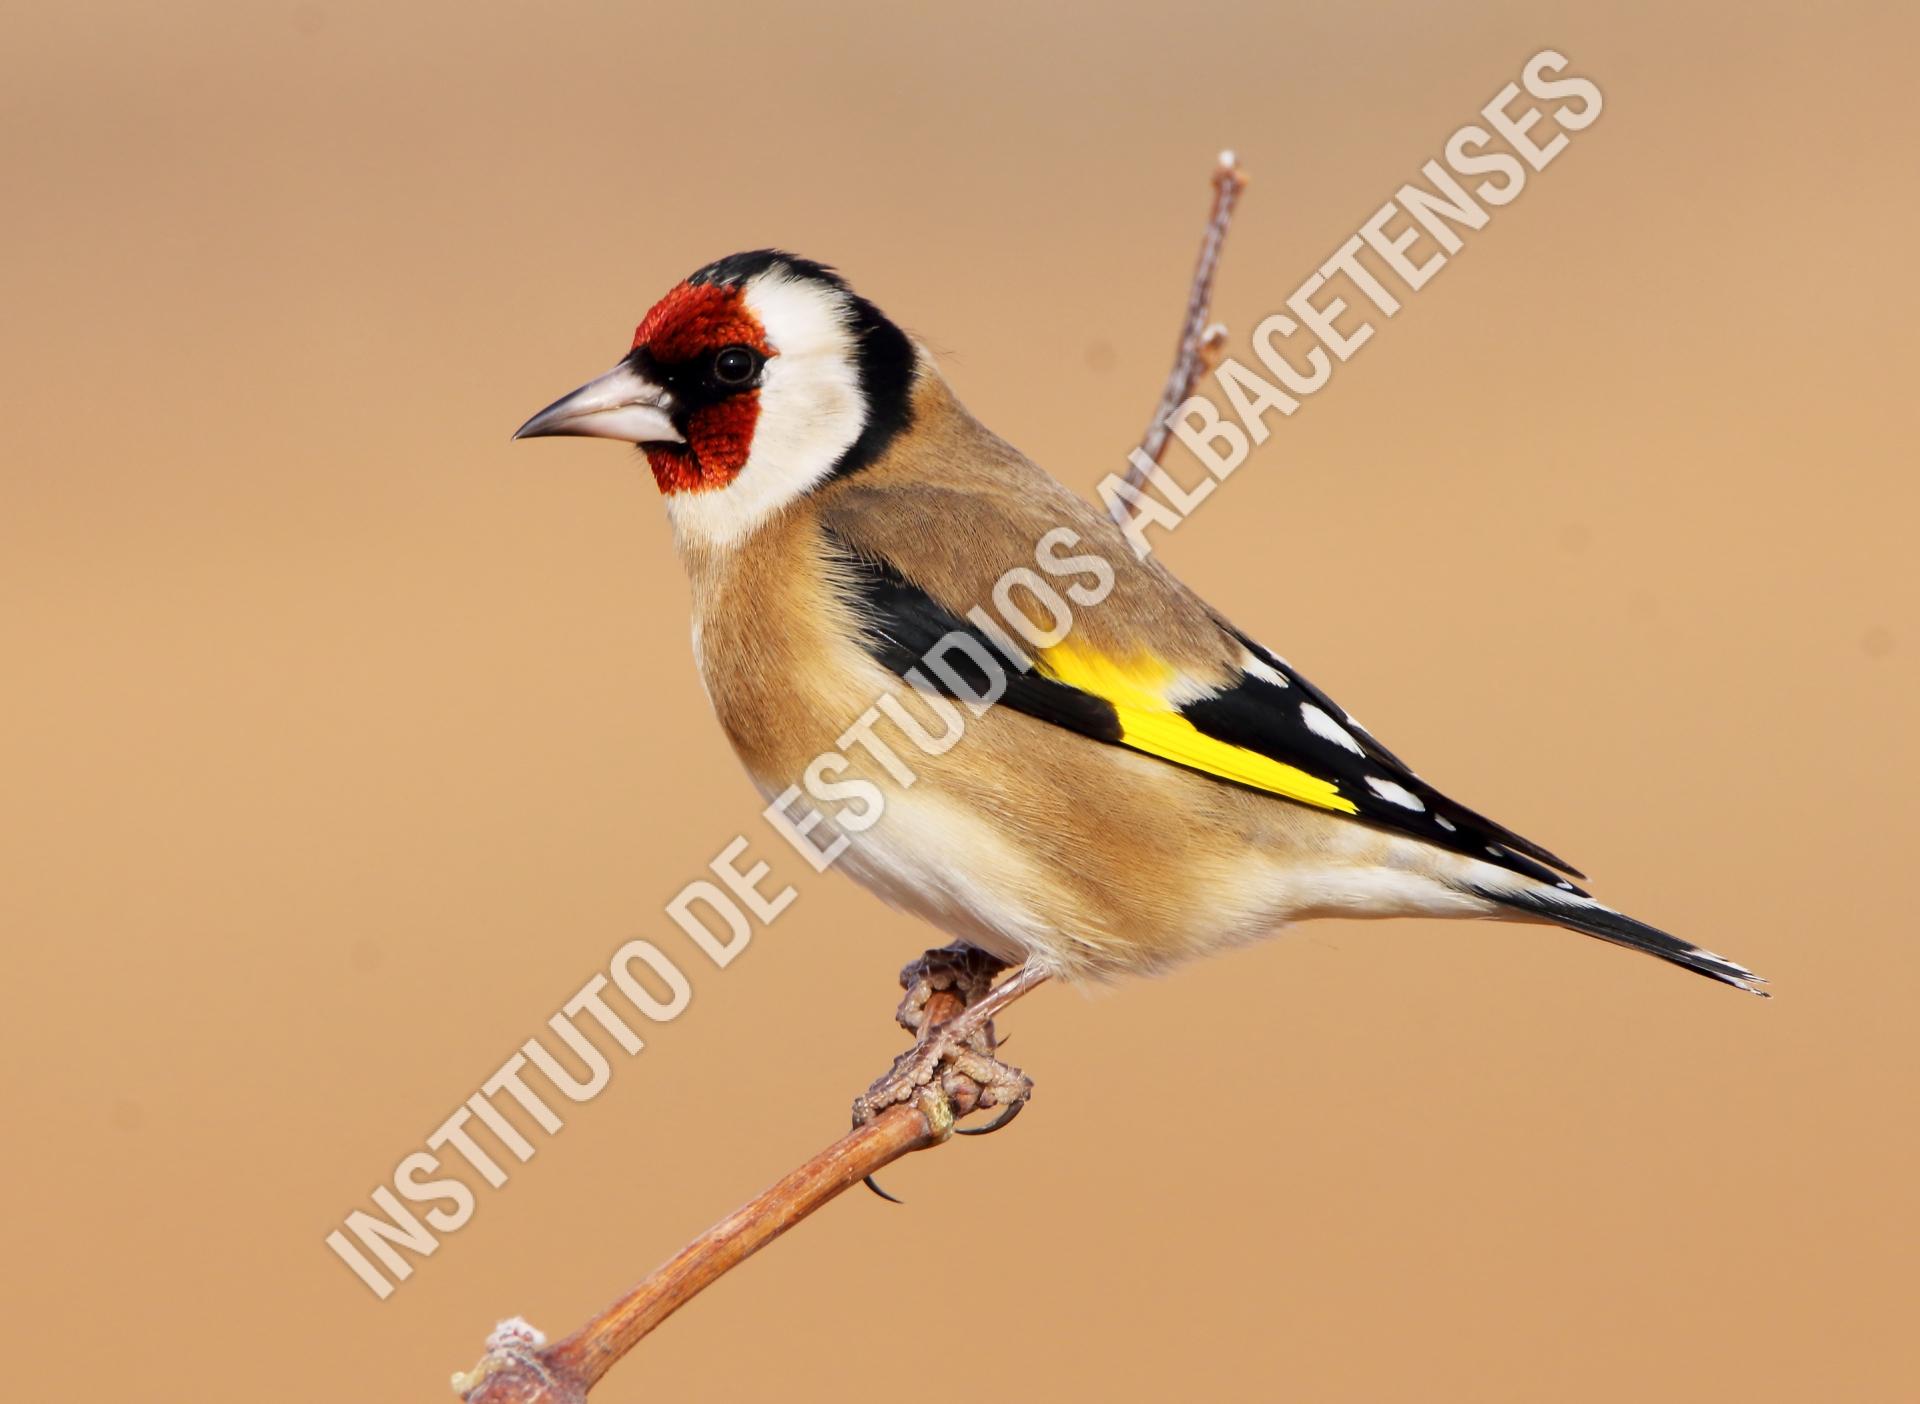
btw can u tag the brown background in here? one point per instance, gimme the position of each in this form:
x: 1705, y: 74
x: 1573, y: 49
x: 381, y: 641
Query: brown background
x: 343, y: 740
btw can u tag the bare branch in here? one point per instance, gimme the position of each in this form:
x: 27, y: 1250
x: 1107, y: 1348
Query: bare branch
x: 1200, y: 343
x: 519, y: 1369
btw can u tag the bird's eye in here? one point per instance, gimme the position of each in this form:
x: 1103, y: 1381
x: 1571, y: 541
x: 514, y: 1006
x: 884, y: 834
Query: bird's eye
x: 735, y: 365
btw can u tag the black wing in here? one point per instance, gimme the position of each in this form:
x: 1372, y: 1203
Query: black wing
x: 1279, y: 716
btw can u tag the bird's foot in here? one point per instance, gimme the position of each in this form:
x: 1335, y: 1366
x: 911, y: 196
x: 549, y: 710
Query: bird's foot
x: 952, y: 1070
x: 947, y: 1074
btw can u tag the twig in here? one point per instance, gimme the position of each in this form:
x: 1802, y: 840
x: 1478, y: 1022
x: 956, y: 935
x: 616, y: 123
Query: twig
x: 1200, y: 343
x: 519, y: 1366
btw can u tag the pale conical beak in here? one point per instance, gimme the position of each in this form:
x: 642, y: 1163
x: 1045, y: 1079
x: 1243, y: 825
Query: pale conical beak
x: 622, y: 404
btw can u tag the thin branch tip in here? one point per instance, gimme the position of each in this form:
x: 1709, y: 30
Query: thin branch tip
x: 1201, y: 343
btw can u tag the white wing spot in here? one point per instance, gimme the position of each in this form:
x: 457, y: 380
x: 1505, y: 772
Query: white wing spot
x: 1394, y: 794
x: 1263, y: 670
x: 1320, y: 724
x: 1445, y: 823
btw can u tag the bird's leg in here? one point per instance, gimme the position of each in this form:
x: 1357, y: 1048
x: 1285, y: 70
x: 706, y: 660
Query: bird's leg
x: 967, y: 971
x: 951, y: 1068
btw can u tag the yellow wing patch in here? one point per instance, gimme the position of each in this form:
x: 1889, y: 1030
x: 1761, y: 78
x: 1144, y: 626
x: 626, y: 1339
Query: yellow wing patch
x: 1137, y: 690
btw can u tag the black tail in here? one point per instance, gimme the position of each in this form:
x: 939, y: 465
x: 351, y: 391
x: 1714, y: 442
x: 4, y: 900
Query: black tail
x: 1595, y: 920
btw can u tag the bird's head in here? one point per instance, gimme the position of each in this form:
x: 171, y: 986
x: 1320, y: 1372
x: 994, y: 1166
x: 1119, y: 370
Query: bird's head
x: 747, y: 385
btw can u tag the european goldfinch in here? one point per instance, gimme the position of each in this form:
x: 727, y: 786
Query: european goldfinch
x: 1155, y: 786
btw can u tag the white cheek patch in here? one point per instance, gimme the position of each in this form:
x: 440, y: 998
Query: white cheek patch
x: 811, y: 412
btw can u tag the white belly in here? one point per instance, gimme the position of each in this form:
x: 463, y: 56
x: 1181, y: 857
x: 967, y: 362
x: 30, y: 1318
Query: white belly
x: 936, y: 860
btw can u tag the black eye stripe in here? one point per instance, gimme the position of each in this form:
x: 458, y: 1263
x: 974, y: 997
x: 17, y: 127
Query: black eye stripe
x: 696, y: 381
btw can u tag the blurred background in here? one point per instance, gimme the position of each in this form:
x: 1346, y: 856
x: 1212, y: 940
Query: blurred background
x: 343, y: 740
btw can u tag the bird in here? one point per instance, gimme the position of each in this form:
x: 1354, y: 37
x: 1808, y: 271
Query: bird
x: 1147, y: 787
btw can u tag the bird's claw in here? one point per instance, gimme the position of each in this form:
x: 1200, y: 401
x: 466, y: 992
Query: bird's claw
x: 1013, y: 1110
x: 950, y: 1072
x: 951, y: 1069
